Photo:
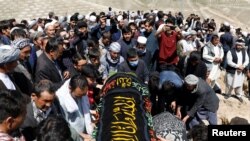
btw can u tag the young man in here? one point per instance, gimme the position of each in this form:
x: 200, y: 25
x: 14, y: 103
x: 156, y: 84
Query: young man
x: 135, y: 65
x: 12, y: 110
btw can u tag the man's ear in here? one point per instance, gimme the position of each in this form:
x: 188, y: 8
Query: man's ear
x: 33, y: 96
x: 9, y: 122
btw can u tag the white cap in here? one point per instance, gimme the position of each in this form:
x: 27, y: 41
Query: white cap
x: 92, y: 18
x: 142, y: 40
x: 115, y: 47
x: 226, y: 24
x: 119, y: 18
x: 80, y: 17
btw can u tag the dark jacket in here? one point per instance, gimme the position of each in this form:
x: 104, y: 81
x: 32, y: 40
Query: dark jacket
x: 203, y: 97
x: 199, y: 70
x: 46, y: 69
x: 230, y: 69
x: 30, y: 124
x: 140, y: 70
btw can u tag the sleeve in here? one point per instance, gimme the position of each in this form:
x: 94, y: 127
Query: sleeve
x: 146, y: 74
x: 206, y: 56
x: 245, y: 64
x: 198, y: 103
x: 222, y: 53
x: 230, y: 60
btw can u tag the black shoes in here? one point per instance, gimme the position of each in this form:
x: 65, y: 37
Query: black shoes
x: 240, y: 99
x: 226, y: 96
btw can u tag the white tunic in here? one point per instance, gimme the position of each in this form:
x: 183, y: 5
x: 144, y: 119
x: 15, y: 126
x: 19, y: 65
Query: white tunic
x: 7, y: 82
x: 237, y: 79
x: 215, y: 70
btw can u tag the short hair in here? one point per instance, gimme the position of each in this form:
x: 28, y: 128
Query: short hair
x: 199, y: 133
x: 18, y: 33
x: 214, y: 36
x: 126, y: 29
x: 78, y: 81
x: 77, y: 57
x: 150, y: 22
x: 12, y: 104
x: 131, y: 53
x: 94, y: 52
x: 194, y: 56
x: 89, y: 70
x: 160, y: 14
x: 54, y: 128
x: 52, y: 45
x: 44, y: 85
x: 106, y: 35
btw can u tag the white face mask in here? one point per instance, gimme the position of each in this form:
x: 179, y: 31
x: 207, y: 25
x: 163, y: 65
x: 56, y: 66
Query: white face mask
x: 142, y: 30
x: 134, y: 63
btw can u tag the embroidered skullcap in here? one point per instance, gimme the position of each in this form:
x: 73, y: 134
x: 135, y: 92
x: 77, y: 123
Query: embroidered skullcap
x: 115, y: 47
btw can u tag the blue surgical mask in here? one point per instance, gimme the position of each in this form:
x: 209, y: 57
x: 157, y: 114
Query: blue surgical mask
x: 133, y: 63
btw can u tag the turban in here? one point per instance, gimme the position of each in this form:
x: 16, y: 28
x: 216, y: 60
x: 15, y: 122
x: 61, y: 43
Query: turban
x: 20, y: 43
x: 8, y: 54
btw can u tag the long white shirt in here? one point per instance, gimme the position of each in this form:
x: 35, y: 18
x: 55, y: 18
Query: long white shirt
x: 237, y: 79
x: 218, y: 53
x: 7, y: 82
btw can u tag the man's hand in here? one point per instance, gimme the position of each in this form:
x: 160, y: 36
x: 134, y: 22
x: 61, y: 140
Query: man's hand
x: 66, y: 75
x: 173, y: 105
x: 185, y: 118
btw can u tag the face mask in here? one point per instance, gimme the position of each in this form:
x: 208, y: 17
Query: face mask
x: 142, y: 30
x: 133, y: 63
x: 141, y: 52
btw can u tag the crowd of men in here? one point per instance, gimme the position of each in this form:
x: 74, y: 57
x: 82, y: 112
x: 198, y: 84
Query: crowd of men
x: 59, y: 64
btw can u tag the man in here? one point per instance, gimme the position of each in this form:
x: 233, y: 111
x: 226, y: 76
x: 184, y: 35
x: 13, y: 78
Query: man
x: 50, y: 30
x: 112, y: 59
x: 212, y: 55
x: 168, y: 38
x: 135, y: 65
x: 41, y: 106
x: 126, y: 42
x: 237, y: 61
x: 226, y: 40
x: 104, y: 42
x: 8, y: 62
x: 75, y: 105
x: 22, y: 74
x: 47, y: 67
x: 143, y: 52
x: 78, y: 63
x: 152, y: 42
x: 199, y: 102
